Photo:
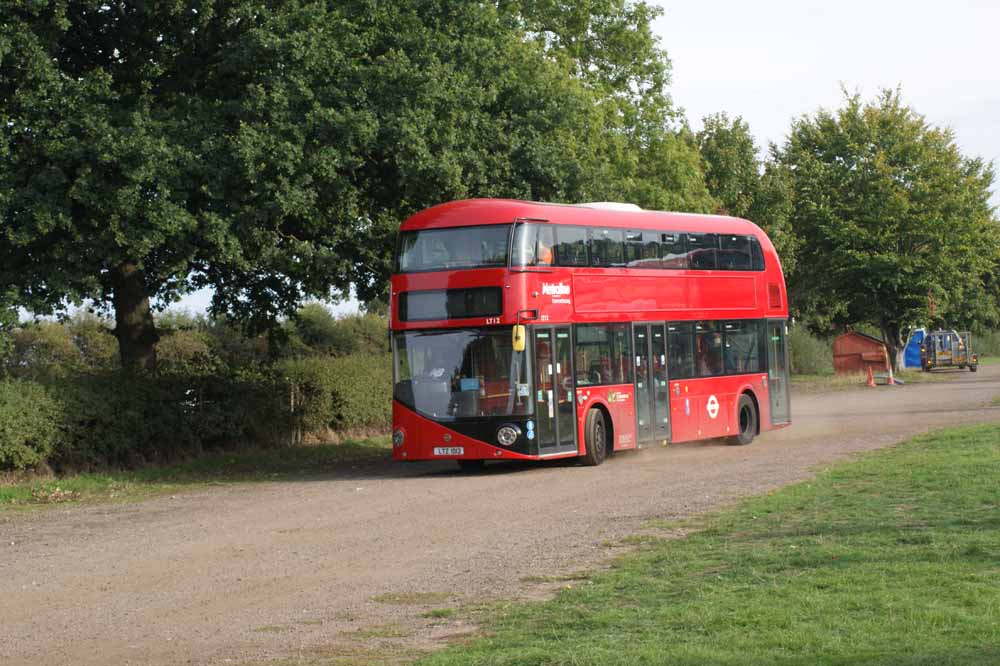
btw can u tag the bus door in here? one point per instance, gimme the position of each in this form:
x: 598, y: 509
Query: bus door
x: 555, y: 408
x: 652, y: 390
x: 777, y: 371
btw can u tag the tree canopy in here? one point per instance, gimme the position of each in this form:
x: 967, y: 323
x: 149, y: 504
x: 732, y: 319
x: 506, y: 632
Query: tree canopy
x: 271, y: 150
x: 744, y: 185
x: 895, y: 222
x: 732, y: 171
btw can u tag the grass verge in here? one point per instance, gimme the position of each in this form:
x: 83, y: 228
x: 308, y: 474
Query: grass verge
x: 894, y: 559
x: 253, y: 465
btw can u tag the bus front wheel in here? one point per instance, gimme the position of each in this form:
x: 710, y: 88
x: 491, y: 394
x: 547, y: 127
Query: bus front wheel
x: 595, y: 438
x: 746, y: 421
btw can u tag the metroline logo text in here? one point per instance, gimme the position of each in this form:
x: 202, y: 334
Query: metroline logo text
x: 556, y: 289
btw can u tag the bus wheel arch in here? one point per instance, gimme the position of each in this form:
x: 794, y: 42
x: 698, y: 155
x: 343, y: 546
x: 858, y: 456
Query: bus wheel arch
x: 747, y: 419
x: 598, y: 434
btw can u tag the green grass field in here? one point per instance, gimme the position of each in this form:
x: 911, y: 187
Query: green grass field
x: 236, y: 467
x: 894, y: 559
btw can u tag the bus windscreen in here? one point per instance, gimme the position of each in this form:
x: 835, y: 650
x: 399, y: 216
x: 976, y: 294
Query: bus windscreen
x: 461, y: 373
x: 452, y: 248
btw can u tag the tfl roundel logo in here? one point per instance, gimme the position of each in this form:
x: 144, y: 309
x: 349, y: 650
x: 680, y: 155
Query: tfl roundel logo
x: 713, y: 406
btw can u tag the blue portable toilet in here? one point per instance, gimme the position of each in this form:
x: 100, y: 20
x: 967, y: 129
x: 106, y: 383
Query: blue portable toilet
x: 911, y: 355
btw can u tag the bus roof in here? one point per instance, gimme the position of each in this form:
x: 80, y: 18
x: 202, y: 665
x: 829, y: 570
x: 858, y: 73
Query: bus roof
x: 470, y: 212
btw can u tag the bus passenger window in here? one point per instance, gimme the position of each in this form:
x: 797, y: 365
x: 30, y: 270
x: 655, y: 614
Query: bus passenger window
x: 734, y: 253
x: 603, y: 354
x: 571, y: 246
x: 680, y: 356
x: 606, y: 247
x: 673, y: 251
x: 701, y: 251
x: 707, y: 349
x: 642, y: 249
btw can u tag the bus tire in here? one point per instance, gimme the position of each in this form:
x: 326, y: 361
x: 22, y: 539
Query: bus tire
x: 746, y: 422
x: 471, y: 466
x: 595, y: 438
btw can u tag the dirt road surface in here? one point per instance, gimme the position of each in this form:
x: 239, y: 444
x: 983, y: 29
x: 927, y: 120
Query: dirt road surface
x: 332, y: 565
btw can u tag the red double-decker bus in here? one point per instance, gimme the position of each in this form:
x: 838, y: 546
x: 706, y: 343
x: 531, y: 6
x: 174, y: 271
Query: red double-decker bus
x: 527, y: 331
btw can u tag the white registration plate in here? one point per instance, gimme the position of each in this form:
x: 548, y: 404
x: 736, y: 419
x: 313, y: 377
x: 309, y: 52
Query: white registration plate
x: 449, y: 450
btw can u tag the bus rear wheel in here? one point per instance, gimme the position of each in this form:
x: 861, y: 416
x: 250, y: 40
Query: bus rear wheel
x: 595, y: 438
x: 746, y: 421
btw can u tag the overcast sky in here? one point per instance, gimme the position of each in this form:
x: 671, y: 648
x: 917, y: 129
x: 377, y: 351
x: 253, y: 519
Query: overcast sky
x: 770, y: 62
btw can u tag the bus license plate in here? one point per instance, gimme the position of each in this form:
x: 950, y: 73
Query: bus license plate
x: 449, y: 450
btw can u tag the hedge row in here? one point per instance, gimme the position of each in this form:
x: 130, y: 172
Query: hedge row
x: 344, y: 393
x: 113, y: 419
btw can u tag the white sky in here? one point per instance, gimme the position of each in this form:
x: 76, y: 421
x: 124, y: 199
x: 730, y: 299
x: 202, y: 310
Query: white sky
x: 770, y: 62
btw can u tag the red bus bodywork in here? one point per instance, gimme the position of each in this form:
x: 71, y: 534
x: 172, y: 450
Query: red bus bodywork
x: 700, y: 408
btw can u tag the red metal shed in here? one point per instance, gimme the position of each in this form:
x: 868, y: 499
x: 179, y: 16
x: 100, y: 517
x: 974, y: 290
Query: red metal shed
x: 856, y: 352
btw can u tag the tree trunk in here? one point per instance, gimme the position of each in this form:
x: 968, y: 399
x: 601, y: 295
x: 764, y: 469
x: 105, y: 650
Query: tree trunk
x: 134, y: 326
x: 892, y: 334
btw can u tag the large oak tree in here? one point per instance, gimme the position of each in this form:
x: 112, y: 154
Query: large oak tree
x: 895, y: 222
x: 270, y: 150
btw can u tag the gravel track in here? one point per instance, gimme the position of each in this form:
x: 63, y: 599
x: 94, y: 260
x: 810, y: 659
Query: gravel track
x: 336, y: 564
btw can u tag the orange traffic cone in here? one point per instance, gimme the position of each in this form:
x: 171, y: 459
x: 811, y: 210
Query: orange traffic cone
x: 871, y: 377
x: 892, y: 380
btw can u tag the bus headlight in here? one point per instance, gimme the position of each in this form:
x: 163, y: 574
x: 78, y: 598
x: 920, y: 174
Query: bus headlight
x: 398, y: 437
x: 508, y: 434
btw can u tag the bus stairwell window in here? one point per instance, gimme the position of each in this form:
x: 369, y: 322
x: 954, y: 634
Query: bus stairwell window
x: 757, y: 254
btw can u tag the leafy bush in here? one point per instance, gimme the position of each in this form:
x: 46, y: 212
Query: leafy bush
x: 809, y: 355
x: 362, y: 389
x: 44, y: 349
x: 343, y: 393
x: 186, y: 351
x: 215, y: 388
x: 8, y: 322
x: 986, y: 343
x: 95, y: 341
x: 29, y: 424
x: 121, y: 420
x: 314, y: 331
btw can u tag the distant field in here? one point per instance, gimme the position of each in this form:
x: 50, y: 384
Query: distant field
x: 894, y: 559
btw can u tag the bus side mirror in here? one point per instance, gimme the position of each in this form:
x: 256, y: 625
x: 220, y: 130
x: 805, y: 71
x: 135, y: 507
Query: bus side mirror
x: 518, y: 338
